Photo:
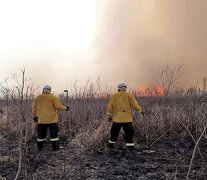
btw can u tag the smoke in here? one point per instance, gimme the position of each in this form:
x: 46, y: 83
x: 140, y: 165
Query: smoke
x: 138, y: 38
x: 44, y: 64
x: 134, y: 40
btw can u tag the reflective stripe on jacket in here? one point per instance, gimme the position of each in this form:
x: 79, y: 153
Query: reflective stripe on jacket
x: 120, y: 105
x: 45, y: 106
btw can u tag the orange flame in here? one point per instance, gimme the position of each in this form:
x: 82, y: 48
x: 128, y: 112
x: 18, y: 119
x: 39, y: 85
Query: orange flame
x: 146, y: 90
x: 104, y: 96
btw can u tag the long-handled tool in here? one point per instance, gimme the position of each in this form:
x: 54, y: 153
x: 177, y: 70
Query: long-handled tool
x: 146, y: 129
x: 1, y: 111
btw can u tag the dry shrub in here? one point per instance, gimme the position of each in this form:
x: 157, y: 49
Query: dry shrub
x: 6, y: 126
x: 93, y: 139
x: 3, y: 120
x: 86, y: 125
x: 9, y: 121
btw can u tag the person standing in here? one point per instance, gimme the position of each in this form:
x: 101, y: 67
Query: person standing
x: 44, y: 109
x: 119, y: 111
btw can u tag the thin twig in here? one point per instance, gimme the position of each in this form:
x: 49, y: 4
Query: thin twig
x: 164, y: 134
x: 176, y: 173
x: 190, y: 135
x: 160, y: 137
x: 20, y: 126
x: 194, y: 151
x: 1, y: 178
x: 146, y: 130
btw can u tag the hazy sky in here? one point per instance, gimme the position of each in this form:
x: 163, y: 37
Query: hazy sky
x: 118, y: 40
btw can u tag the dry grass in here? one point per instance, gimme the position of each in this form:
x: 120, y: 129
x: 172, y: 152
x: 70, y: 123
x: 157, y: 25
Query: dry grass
x: 87, y: 126
x: 93, y: 139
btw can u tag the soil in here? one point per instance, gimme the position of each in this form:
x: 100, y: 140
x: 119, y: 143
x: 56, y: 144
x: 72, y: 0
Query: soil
x: 166, y: 159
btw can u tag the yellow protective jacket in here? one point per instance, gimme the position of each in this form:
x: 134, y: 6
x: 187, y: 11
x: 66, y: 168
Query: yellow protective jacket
x: 45, y: 107
x: 120, y: 105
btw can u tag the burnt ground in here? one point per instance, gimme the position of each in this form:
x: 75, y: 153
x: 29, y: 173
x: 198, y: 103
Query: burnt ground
x: 167, y: 159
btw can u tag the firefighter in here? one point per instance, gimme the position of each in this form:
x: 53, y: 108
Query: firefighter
x: 44, y: 109
x: 119, y: 111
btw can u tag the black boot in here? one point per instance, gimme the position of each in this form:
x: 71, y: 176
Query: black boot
x: 55, y: 145
x: 40, y: 145
x: 111, y: 145
x: 130, y: 148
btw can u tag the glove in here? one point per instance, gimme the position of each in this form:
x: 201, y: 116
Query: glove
x: 35, y: 119
x: 67, y: 108
x: 142, y: 112
x: 110, y: 119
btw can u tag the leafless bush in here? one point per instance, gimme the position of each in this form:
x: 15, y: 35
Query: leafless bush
x: 17, y: 115
x: 170, y: 75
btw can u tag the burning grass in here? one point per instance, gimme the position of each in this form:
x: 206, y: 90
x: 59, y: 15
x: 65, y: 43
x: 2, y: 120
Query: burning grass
x: 146, y: 91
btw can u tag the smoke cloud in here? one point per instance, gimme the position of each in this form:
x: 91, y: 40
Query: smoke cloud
x: 137, y: 38
x: 133, y: 41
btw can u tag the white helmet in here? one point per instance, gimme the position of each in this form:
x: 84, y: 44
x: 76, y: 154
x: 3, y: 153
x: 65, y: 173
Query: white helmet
x: 47, y: 88
x: 122, y: 85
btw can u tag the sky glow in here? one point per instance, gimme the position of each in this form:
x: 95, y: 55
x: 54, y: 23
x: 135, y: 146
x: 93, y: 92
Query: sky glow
x: 61, y: 41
